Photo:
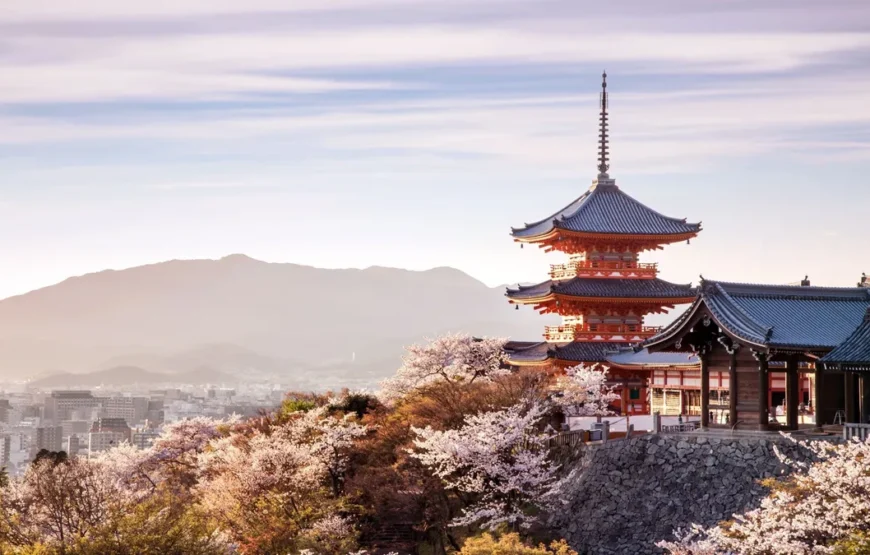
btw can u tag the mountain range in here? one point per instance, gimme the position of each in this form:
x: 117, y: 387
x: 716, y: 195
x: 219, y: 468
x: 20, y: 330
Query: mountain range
x: 244, y: 318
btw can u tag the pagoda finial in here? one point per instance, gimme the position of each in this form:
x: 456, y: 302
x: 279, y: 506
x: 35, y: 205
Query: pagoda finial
x: 603, y: 154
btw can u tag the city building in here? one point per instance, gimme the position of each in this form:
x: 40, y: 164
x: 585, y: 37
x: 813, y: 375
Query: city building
x: 144, y: 438
x: 131, y: 409
x: 155, y: 412
x: 47, y: 437
x: 61, y: 404
x: 5, y: 450
x: 75, y: 427
x: 603, y: 291
x: 114, y: 425
x: 5, y: 408
x: 72, y: 445
x: 102, y: 441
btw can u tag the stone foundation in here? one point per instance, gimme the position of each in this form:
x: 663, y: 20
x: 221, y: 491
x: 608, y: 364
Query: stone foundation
x: 636, y: 492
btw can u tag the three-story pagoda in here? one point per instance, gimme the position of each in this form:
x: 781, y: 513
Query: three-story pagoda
x: 602, y: 292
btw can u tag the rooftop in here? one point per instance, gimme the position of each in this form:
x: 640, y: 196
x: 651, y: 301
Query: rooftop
x: 854, y: 352
x: 605, y: 209
x: 776, y: 316
x: 604, y: 288
x: 578, y: 351
x: 646, y: 359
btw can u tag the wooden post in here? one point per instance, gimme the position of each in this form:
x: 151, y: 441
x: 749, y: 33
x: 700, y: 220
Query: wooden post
x: 864, y: 381
x: 732, y: 388
x: 705, y: 390
x: 763, y: 392
x: 851, y: 413
x: 791, y: 393
x: 819, y: 406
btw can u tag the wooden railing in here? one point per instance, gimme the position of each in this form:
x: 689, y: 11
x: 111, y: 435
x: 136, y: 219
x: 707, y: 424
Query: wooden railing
x: 567, y: 439
x: 853, y: 430
x: 602, y: 332
x: 591, y: 268
x: 679, y: 428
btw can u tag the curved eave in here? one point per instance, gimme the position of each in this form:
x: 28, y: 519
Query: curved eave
x: 680, y: 327
x: 531, y: 300
x: 650, y: 366
x: 551, y: 297
x: 557, y: 231
x: 845, y: 366
x: 526, y: 363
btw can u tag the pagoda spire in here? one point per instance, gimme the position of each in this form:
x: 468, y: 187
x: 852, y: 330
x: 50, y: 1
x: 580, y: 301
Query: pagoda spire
x: 603, y: 144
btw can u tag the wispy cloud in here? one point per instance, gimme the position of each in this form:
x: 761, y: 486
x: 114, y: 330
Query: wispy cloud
x: 172, y: 102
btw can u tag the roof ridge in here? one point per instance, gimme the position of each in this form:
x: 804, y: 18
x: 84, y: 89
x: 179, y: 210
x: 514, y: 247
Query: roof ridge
x: 793, y: 287
x: 556, y: 213
x: 763, y: 330
x: 653, y: 210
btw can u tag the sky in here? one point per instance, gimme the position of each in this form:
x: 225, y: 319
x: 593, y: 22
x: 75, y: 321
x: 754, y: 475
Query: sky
x: 351, y: 133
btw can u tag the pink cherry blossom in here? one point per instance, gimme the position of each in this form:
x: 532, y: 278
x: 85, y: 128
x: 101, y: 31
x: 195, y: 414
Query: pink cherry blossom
x: 500, y: 457
x: 453, y: 358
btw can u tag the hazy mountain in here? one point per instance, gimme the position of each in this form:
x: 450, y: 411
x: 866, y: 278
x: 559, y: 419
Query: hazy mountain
x: 239, y: 315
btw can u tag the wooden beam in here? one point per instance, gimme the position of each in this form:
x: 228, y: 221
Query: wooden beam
x: 705, y: 390
x: 849, y: 382
x: 732, y: 388
x: 864, y: 397
x: 819, y: 406
x: 791, y: 393
x: 763, y: 391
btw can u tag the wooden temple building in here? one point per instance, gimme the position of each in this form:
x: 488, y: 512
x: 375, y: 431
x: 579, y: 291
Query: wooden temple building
x: 603, y: 292
x: 749, y: 336
x: 741, y: 355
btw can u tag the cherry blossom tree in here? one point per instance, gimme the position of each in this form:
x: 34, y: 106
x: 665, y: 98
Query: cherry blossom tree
x: 267, y: 489
x: 583, y: 391
x: 452, y: 358
x: 824, y: 507
x: 55, y: 502
x: 501, y: 459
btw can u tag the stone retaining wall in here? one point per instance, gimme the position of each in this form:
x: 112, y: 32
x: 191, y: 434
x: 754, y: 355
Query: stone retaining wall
x: 635, y: 492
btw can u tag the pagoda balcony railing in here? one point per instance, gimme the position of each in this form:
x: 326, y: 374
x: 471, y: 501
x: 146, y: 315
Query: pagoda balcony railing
x: 604, y: 268
x: 601, y: 332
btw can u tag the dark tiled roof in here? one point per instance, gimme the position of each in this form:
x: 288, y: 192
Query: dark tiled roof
x: 604, y: 287
x: 630, y: 357
x: 854, y: 352
x: 586, y: 351
x: 527, y: 351
x: 606, y: 209
x: 778, y: 316
x: 578, y: 351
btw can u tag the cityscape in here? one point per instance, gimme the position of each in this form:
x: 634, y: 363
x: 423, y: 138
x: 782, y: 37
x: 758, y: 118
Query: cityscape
x: 85, y: 422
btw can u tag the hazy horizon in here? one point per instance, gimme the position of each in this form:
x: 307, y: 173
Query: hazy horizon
x: 413, y: 135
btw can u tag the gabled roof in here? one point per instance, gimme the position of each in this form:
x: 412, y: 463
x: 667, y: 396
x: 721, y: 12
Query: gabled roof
x: 616, y: 353
x: 776, y: 316
x: 586, y: 351
x: 854, y: 352
x: 520, y: 352
x: 605, y: 209
x: 604, y: 288
x: 643, y: 358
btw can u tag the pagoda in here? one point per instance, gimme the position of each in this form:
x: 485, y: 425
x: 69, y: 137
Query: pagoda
x: 603, y: 293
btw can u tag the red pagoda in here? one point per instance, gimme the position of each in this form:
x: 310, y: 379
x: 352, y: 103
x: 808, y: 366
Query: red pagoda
x: 602, y: 292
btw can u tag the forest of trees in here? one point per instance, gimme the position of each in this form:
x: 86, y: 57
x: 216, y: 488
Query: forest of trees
x: 454, y: 449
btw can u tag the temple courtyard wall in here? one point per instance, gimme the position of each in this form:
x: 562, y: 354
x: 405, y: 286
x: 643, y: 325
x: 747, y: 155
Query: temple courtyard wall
x: 634, y: 492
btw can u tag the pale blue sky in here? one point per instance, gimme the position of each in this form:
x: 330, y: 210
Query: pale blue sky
x: 351, y: 133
